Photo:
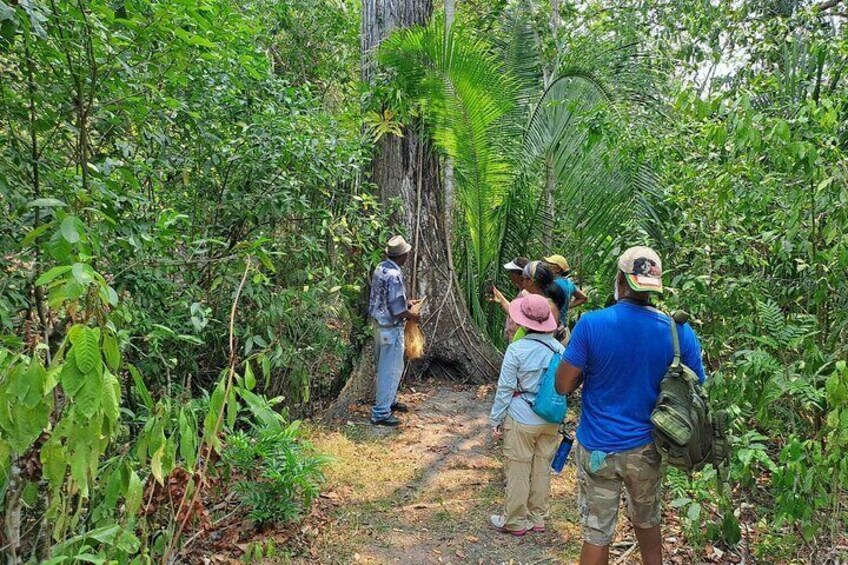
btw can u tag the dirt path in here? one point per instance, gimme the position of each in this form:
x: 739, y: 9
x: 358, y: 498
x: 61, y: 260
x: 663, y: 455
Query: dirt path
x: 423, y: 493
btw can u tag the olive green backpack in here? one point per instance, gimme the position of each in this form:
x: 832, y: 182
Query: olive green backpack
x: 686, y: 432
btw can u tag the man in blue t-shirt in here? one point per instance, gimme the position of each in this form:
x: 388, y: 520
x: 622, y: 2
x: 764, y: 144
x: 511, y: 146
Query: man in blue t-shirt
x: 620, y: 354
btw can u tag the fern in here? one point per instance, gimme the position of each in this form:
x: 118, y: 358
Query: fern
x: 771, y: 318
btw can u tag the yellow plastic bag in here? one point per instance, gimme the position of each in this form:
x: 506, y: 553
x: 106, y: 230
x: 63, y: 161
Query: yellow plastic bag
x: 413, y: 337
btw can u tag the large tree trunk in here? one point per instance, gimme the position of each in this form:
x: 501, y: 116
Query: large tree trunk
x: 407, y: 169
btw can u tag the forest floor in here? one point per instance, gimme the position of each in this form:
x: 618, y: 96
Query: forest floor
x: 423, y: 493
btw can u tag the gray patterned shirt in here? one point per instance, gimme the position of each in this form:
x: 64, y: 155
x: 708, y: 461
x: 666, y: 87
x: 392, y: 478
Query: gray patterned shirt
x: 388, y: 296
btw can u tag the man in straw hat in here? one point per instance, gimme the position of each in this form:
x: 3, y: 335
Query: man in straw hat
x: 389, y: 311
x: 620, y: 354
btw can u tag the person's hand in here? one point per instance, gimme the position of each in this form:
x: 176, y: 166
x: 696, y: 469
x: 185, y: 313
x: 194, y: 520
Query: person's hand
x: 414, y: 306
x: 497, y: 295
x: 497, y: 432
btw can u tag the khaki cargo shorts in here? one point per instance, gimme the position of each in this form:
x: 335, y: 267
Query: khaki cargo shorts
x: 599, y: 493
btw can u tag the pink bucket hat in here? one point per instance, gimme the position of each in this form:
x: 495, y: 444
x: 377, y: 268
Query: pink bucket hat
x: 533, y: 312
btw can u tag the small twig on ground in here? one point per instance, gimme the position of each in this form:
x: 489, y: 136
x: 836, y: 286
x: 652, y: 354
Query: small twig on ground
x: 425, y: 505
x: 215, y: 524
x: 626, y: 554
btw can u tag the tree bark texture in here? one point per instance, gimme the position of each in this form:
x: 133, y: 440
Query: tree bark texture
x: 406, y: 169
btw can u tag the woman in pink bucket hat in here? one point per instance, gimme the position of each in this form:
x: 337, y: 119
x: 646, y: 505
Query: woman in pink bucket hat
x: 529, y: 442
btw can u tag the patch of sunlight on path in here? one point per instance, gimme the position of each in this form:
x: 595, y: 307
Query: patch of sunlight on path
x: 423, y: 493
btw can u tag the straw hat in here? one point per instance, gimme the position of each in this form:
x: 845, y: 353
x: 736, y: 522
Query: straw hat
x: 559, y: 261
x: 397, y: 246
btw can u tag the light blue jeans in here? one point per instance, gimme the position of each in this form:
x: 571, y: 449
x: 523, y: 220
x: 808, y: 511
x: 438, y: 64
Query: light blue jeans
x: 388, y: 357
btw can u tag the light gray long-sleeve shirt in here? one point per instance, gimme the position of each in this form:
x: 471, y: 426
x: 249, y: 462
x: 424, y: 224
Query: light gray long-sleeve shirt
x: 524, y: 363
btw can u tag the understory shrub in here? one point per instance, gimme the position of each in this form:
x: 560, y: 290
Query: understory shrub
x: 277, y: 472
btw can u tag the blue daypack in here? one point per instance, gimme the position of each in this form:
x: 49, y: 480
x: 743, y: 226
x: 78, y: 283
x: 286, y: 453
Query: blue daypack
x: 549, y: 405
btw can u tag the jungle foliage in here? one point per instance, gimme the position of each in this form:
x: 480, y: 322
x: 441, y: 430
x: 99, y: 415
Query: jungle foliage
x: 715, y: 132
x: 184, y: 226
x: 187, y: 227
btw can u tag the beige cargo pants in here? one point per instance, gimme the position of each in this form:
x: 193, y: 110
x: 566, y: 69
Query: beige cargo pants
x: 528, y: 451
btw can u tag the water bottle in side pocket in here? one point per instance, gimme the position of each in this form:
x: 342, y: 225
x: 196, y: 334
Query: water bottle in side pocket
x: 561, y: 455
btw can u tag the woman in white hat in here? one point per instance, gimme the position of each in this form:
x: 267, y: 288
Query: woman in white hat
x: 515, y: 271
x: 529, y: 441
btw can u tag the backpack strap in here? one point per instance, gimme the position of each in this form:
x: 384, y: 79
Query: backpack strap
x: 546, y: 345
x: 521, y: 390
x: 675, y: 340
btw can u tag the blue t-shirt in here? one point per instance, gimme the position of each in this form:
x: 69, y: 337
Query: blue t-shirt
x: 624, y: 352
x: 568, y: 289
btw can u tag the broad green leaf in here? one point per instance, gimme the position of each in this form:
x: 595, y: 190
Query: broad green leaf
x: 30, y: 423
x: 127, y: 542
x: 35, y: 377
x: 71, y: 291
x: 134, y: 494
x: 249, y: 379
x: 5, y: 459
x: 79, y: 468
x: 47, y: 203
x: 91, y: 395
x: 34, y: 234
x: 262, y: 410
x: 6, y: 421
x: 52, y: 274
x: 18, y: 383
x: 141, y: 388
x: 71, y: 377
x: 156, y: 465
x: 82, y: 274
x: 51, y: 379
x: 106, y: 534
x: 111, y: 397
x: 114, y: 487
x: 111, y: 351
x: 90, y: 558
x: 53, y: 461
x: 108, y: 295
x: 87, y: 349
x: 188, y: 440
x: 694, y: 512
x: 70, y: 230
x: 232, y: 409
x: 266, y: 370
x: 211, y: 424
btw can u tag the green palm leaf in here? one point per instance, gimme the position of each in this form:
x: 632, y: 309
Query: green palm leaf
x: 464, y: 97
x: 578, y: 127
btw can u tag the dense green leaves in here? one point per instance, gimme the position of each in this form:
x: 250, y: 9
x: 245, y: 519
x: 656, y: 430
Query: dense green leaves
x: 149, y: 151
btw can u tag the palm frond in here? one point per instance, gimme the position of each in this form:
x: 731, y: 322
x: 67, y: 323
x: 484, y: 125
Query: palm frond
x: 578, y: 127
x: 507, y: 135
x: 464, y: 97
